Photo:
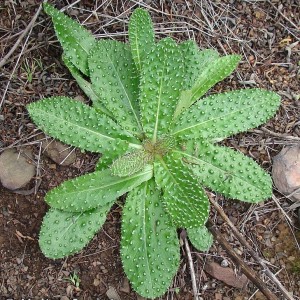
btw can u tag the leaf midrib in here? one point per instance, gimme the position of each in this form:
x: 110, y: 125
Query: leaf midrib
x: 86, y: 129
x: 158, y: 104
x: 148, y: 170
x: 210, y: 120
x: 145, y: 238
x: 137, y: 48
x: 126, y: 94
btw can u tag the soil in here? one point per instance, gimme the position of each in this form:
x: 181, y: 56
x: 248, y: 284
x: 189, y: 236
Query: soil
x: 265, y: 33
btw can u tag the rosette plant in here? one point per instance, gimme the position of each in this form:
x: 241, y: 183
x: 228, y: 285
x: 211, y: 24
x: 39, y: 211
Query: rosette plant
x: 158, y: 134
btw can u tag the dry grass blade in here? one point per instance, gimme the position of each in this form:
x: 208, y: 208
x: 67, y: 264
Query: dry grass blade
x: 191, y: 265
x: 5, y: 59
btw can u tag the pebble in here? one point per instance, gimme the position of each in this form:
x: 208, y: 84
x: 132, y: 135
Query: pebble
x: 112, y: 294
x: 224, y: 263
x: 125, y: 286
x: 16, y: 169
x: 286, y: 172
x: 60, y: 153
x: 96, y: 282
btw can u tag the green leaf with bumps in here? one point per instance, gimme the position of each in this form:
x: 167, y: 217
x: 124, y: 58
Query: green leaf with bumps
x: 214, y: 70
x: 107, y: 159
x: 130, y: 163
x: 65, y: 233
x: 93, y: 190
x: 227, y: 172
x: 141, y: 36
x: 115, y: 79
x: 195, y: 61
x: 201, y: 238
x: 79, y: 125
x: 75, y: 39
x: 183, y: 197
x: 222, y: 115
x: 161, y: 82
x: 87, y: 88
x: 149, y: 245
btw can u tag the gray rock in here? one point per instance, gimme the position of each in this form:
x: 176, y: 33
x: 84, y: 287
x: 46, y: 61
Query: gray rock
x: 112, y: 294
x: 286, y: 172
x: 58, y: 152
x: 16, y: 169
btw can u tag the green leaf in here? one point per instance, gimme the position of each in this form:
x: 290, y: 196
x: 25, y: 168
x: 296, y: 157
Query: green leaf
x: 219, y: 116
x: 213, y: 70
x: 79, y: 125
x: 161, y: 82
x: 195, y: 61
x: 86, y: 87
x: 201, y: 238
x: 65, y: 233
x: 107, y: 158
x: 115, y: 79
x: 93, y: 190
x: 75, y: 39
x: 130, y: 163
x: 183, y: 197
x: 227, y: 172
x: 141, y: 35
x: 149, y: 245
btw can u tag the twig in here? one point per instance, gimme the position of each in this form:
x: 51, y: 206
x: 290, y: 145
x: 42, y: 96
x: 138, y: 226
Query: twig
x: 277, y: 134
x: 190, y: 261
x: 245, y: 269
x: 251, y: 251
x: 26, y: 30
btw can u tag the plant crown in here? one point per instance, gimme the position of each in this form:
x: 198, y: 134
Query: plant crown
x: 158, y: 142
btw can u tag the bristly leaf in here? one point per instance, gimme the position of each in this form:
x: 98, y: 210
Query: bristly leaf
x: 149, y: 245
x: 79, y: 125
x: 183, y: 197
x: 65, y: 233
x: 86, y: 87
x: 115, y: 80
x: 227, y: 172
x: 161, y: 82
x: 195, y: 61
x: 108, y: 158
x: 219, y: 116
x: 213, y: 71
x: 75, y: 39
x: 201, y: 238
x: 141, y: 35
x: 130, y: 163
x: 93, y: 190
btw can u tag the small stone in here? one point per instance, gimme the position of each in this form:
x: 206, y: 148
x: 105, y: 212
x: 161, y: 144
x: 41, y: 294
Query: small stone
x: 112, y: 294
x: 64, y: 298
x: 79, y: 98
x: 286, y: 172
x: 59, y: 152
x: 272, y: 260
x: 96, y: 282
x: 16, y: 169
x: 224, y: 263
x: 125, y: 286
